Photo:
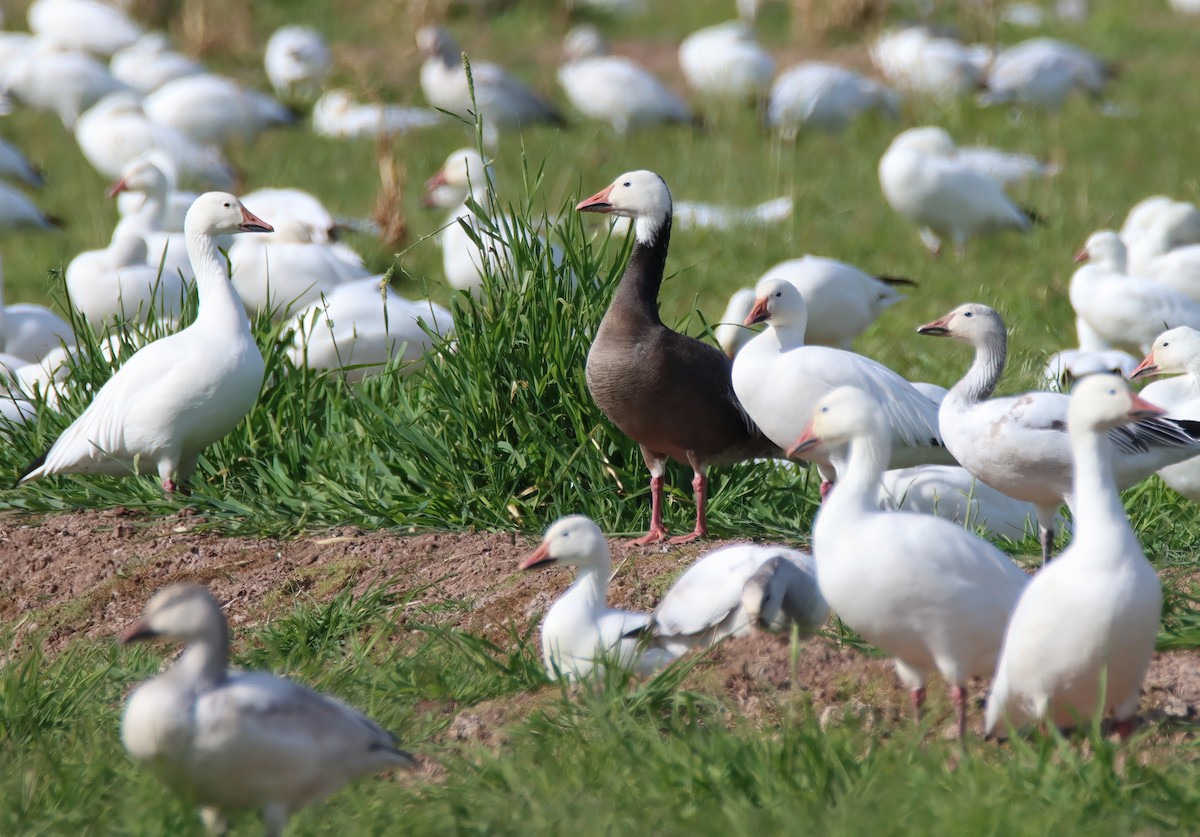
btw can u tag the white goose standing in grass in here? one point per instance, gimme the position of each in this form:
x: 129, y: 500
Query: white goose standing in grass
x: 724, y: 62
x: 1082, y: 634
x: 179, y: 394
x: 928, y: 592
x: 1018, y: 444
x: 778, y: 380
x: 1175, y: 352
x: 1125, y: 311
x: 234, y: 740
x: 580, y: 630
x: 923, y: 180
x: 613, y: 88
x: 824, y: 97
x: 734, y: 590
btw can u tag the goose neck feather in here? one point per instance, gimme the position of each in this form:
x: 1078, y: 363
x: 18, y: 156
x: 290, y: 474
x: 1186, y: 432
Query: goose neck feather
x: 1096, y: 504
x: 638, y: 290
x: 857, y: 490
x: 219, y: 302
x: 204, y: 663
x: 982, y: 378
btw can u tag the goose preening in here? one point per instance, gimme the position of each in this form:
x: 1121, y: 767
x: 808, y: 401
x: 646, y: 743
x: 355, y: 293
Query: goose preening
x: 297, y: 60
x: 1175, y: 352
x: 917, y: 59
x: 235, y: 740
x: 176, y: 396
x: 118, y: 283
x: 150, y: 62
x: 778, y: 380
x: 359, y: 326
x: 336, y: 114
x: 501, y: 100
x: 1127, y: 312
x: 212, y: 109
x: 580, y: 631
x: 734, y: 590
x: 1019, y: 444
x: 86, y: 25
x: 1081, y: 636
x: 824, y: 97
x: 670, y: 393
x: 1042, y: 73
x: 924, y: 181
x: 946, y: 611
x: 613, y: 88
x: 725, y: 62
x: 842, y: 302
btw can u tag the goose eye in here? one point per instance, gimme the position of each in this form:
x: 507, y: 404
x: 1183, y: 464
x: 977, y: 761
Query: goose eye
x: 968, y: 314
x: 1164, y: 345
x: 227, y: 206
x: 778, y: 294
x: 824, y: 409
x: 626, y: 184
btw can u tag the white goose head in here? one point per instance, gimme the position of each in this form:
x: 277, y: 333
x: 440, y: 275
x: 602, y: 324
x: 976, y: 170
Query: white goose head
x: 1104, y: 248
x: 216, y: 213
x: 640, y: 195
x: 929, y: 139
x: 845, y: 414
x: 179, y: 613
x: 1173, y: 352
x: 1102, y: 402
x: 436, y: 42
x: 779, y: 304
x: 147, y: 173
x: 973, y: 323
x: 463, y: 173
x: 584, y: 41
x: 574, y: 540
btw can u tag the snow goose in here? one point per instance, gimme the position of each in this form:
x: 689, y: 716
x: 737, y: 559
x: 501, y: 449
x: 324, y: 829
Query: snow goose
x: 580, y: 629
x: 842, y: 301
x: 15, y: 165
x: 724, y: 62
x: 1018, y: 444
x: 1082, y: 634
x: 18, y: 212
x: 336, y: 114
x: 1043, y: 72
x: 86, y: 25
x: 734, y: 590
x: 212, y: 109
x: 1165, y: 229
x: 117, y: 283
x: 924, y: 182
x: 1175, y: 352
x: 824, y: 97
x: 1168, y: 252
x: 150, y: 62
x: 670, y: 393
x: 1127, y: 312
x: 502, y: 102
x: 116, y: 130
x: 283, y: 273
x: 1064, y: 368
x: 145, y: 177
x: 176, y: 396
x: 30, y: 332
x: 1005, y: 167
x: 1141, y: 215
x: 65, y: 82
x: 944, y: 612
x: 359, y: 326
x: 230, y: 740
x: 297, y: 61
x: 612, y: 88
x: 916, y: 59
x: 778, y: 380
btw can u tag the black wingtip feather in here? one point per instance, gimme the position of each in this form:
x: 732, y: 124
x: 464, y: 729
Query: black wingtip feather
x: 897, y: 280
x: 1034, y: 218
x: 33, y: 466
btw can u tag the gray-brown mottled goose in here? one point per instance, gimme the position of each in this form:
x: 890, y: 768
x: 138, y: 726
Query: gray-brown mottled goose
x: 670, y: 393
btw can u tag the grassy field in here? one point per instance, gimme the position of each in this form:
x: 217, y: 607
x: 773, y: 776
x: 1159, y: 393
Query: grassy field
x: 500, y: 435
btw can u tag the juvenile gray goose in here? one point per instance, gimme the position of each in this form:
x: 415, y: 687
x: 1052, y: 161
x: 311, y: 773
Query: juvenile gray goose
x: 670, y: 393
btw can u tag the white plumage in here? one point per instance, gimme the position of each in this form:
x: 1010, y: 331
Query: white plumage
x: 725, y: 62
x: 824, y: 97
x: 297, y: 60
x: 1175, y: 352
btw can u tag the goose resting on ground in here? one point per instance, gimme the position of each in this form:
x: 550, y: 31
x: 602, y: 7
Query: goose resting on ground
x: 670, y: 393
x: 231, y: 740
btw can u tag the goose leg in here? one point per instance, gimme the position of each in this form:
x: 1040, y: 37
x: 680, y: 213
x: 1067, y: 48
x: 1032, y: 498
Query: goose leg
x: 1123, y: 728
x: 658, y: 531
x: 958, y: 696
x: 1045, y: 518
x: 917, y: 698
x: 700, y: 492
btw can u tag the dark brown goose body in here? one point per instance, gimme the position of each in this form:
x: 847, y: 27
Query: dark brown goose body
x: 670, y: 393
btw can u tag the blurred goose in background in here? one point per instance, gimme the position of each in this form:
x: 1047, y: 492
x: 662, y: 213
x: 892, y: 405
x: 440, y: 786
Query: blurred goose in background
x: 297, y: 62
x: 30, y: 332
x: 1064, y: 368
x: 842, y: 302
x: 824, y: 97
x: 359, y: 326
x: 1175, y: 352
x: 297, y: 205
x: 1168, y: 249
x: 734, y: 590
x: 214, y: 110
x: 945, y: 611
x: 116, y: 130
x: 1127, y: 312
x: 18, y: 212
x: 1018, y: 444
x: 580, y: 631
x: 145, y: 176
x: 15, y: 166
x: 1043, y: 72
x: 1081, y: 636
x: 150, y: 62
x: 923, y: 180
x: 917, y: 59
x: 502, y: 101
x: 778, y: 381
x: 725, y: 63
x: 1141, y: 215
x: 1005, y: 167
x: 230, y: 740
x: 336, y: 114
x: 177, y: 395
x: 67, y: 83
x: 86, y: 25
x: 117, y: 283
x: 613, y: 88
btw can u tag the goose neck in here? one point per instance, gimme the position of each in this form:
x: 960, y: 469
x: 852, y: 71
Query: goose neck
x: 219, y: 302
x: 590, y: 588
x: 643, y: 277
x: 987, y: 366
x: 857, y: 487
x: 204, y: 663
x: 1097, y: 503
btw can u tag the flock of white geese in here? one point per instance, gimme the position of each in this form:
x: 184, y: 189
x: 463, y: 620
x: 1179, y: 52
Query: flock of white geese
x: 908, y: 469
